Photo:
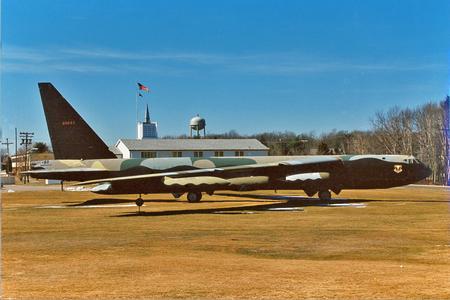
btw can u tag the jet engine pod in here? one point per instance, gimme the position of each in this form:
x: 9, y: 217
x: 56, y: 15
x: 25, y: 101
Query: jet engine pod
x: 249, y: 180
x: 308, y: 176
x: 195, y: 181
x: 248, y: 183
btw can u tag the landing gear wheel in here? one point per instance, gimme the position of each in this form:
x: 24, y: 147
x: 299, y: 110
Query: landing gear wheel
x: 194, y: 197
x: 325, y: 195
x: 139, y: 202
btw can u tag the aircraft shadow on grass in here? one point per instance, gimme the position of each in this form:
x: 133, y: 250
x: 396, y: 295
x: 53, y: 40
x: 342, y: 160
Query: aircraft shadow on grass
x: 105, y: 201
x: 290, y: 202
x: 333, y: 201
x: 259, y: 206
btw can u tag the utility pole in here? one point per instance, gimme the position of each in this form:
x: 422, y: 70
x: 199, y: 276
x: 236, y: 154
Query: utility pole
x: 7, y: 143
x: 26, y: 140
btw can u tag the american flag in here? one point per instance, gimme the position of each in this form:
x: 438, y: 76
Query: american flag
x: 143, y: 87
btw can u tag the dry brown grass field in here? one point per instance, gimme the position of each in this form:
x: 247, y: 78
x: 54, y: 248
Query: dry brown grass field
x: 78, y: 245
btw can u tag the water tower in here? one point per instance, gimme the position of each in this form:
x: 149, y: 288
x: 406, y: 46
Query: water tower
x: 198, y: 124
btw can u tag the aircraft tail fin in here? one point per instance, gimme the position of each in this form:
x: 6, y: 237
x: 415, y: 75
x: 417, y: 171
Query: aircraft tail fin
x: 71, y: 136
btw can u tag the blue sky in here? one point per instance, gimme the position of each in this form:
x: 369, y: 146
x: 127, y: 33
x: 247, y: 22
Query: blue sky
x: 252, y: 66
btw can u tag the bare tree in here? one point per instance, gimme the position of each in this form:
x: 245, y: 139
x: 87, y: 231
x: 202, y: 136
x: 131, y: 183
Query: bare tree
x: 430, y: 139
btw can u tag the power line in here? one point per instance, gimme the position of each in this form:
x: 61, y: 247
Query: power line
x: 26, y: 140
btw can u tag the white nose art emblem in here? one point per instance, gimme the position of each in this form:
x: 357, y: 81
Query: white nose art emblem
x: 398, y: 168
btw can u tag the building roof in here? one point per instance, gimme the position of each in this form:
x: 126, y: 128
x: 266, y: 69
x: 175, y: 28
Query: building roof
x: 193, y: 144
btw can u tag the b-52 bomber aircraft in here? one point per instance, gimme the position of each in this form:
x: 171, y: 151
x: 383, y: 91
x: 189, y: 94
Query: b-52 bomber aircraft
x: 80, y: 155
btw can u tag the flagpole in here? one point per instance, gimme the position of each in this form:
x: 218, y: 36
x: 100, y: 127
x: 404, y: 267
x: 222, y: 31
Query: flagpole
x: 136, y: 99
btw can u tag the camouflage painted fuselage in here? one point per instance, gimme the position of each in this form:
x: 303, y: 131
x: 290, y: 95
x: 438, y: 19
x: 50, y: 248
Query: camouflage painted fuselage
x: 352, y: 172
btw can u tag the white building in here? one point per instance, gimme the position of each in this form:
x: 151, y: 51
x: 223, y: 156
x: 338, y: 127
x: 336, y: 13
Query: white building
x: 150, y: 148
x: 147, y: 129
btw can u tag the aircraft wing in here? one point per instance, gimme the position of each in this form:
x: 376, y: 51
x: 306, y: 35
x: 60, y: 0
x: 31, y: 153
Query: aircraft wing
x: 274, y: 170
